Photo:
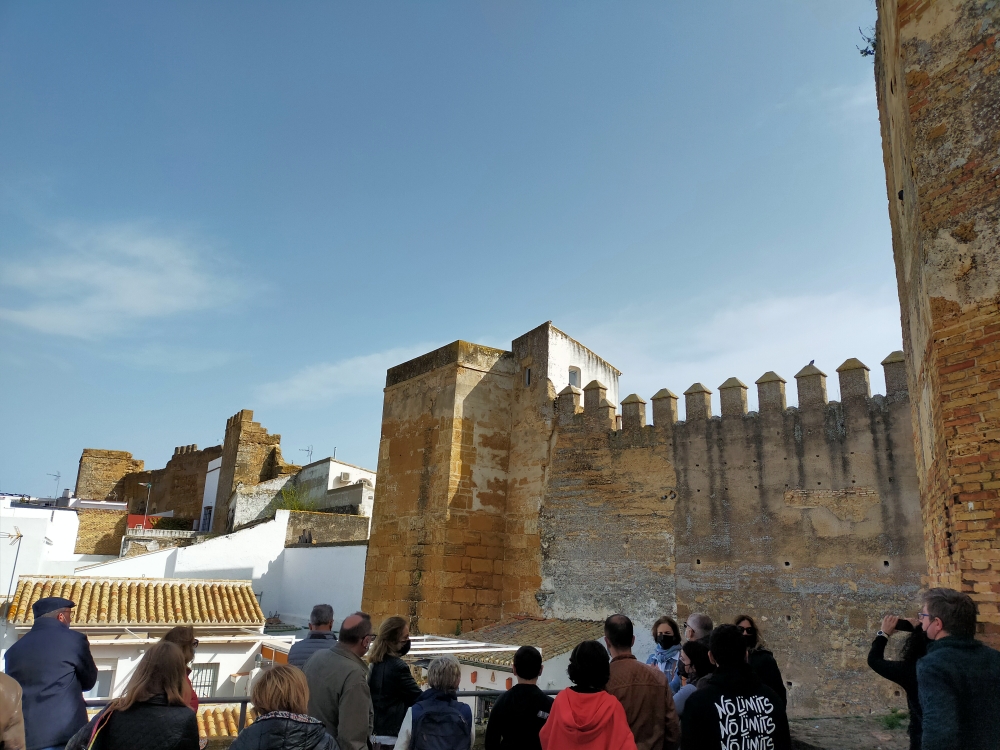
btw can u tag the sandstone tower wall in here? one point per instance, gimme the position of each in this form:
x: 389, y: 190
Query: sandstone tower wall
x: 496, y: 483
x: 938, y: 92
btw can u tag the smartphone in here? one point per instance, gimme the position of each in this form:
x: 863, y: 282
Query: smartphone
x: 905, y: 625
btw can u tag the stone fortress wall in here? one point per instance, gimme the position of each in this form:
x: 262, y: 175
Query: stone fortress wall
x: 499, y: 493
x: 937, y: 75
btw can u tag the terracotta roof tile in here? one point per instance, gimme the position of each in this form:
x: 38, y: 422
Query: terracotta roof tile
x: 551, y: 637
x: 141, y: 601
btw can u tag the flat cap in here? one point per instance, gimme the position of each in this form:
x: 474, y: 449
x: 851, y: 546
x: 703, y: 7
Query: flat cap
x: 50, y: 604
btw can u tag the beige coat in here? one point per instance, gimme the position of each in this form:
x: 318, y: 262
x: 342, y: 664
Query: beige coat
x: 339, y: 695
x: 11, y: 720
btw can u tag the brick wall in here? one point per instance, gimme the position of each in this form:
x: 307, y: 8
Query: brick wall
x: 100, y: 532
x: 101, y: 471
x: 249, y: 456
x: 938, y: 89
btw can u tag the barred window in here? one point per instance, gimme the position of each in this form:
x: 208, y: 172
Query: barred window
x: 204, y: 678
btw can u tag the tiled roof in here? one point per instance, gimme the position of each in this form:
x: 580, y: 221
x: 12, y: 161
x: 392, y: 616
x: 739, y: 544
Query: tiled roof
x: 141, y: 601
x: 551, y: 637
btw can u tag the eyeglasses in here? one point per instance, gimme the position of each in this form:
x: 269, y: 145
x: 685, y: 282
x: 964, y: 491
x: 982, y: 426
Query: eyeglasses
x: 747, y: 628
x: 194, y: 643
x: 922, y: 615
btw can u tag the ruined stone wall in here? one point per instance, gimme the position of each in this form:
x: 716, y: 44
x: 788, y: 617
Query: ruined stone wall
x: 938, y: 91
x: 808, y: 519
x: 324, y: 528
x: 100, y: 532
x: 436, y: 549
x: 249, y: 456
x: 101, y: 471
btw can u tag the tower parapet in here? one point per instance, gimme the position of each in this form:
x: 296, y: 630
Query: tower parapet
x: 811, y: 382
x: 770, y: 392
x: 697, y: 402
x: 664, y: 408
x: 854, y: 380
x: 733, y: 398
x: 633, y: 413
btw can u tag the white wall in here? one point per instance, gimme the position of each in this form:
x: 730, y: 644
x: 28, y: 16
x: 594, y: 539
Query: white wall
x: 564, y: 352
x: 211, y: 490
x: 47, y: 544
x: 316, y: 479
x: 289, y: 581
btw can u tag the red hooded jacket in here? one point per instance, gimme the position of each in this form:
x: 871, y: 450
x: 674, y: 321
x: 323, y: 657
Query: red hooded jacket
x: 586, y: 721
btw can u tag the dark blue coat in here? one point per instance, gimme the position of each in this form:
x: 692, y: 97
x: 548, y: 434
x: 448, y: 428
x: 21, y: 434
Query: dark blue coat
x: 53, y: 666
x: 959, y: 687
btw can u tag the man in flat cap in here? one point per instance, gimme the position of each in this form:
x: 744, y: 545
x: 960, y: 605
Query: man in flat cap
x: 53, y: 666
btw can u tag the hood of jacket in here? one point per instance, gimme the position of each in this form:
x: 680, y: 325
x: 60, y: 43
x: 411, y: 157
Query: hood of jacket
x: 284, y: 731
x: 587, y: 714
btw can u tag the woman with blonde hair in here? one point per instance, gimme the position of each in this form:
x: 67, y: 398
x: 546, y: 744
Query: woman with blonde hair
x: 438, y: 713
x: 390, y: 681
x: 152, y: 713
x: 281, y: 699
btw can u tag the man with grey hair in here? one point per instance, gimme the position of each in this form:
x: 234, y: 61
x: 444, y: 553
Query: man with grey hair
x: 338, y: 684
x: 320, y: 636
x: 439, y: 708
x: 697, y: 627
x: 958, y: 681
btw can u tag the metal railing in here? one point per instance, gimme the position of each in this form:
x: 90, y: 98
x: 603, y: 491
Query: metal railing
x: 140, y: 533
x: 102, y: 702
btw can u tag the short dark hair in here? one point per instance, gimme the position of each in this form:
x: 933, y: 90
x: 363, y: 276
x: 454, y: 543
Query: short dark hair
x: 322, y: 614
x: 956, y: 611
x: 728, y: 645
x: 527, y: 663
x: 589, y: 666
x: 359, y: 632
x: 697, y: 652
x: 618, y: 631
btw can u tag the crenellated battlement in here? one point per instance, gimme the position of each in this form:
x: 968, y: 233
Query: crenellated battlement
x: 810, y: 381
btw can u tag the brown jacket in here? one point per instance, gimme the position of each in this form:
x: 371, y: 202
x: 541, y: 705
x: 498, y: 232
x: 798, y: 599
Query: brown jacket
x: 11, y: 720
x: 648, y: 703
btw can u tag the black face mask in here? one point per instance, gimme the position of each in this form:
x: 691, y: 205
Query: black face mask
x: 751, y: 638
x: 682, y: 669
x: 404, y: 647
x: 666, y: 641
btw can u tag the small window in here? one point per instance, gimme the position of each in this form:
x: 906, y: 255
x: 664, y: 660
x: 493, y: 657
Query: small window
x: 575, y: 377
x: 204, y: 678
x: 206, y: 519
x: 105, y: 682
x: 527, y: 376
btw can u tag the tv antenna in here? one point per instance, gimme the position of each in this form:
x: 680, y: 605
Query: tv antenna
x: 58, y: 478
x: 308, y: 451
x: 15, y: 538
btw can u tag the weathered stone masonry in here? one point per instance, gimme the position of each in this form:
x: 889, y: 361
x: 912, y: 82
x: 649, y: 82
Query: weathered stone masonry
x: 938, y: 85
x: 491, y: 483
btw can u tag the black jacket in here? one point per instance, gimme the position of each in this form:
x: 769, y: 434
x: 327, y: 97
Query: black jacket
x: 317, y: 640
x: 393, y: 691
x: 959, y: 683
x: 53, y: 665
x: 151, y: 725
x: 903, y: 674
x: 766, y: 668
x: 517, y: 718
x: 733, y: 701
x: 284, y: 731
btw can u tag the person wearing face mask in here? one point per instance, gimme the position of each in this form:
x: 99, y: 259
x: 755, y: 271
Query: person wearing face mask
x: 693, y: 665
x: 668, y: 647
x: 392, y: 686
x: 760, y: 659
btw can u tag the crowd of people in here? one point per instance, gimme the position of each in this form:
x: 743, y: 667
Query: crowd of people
x: 702, y: 688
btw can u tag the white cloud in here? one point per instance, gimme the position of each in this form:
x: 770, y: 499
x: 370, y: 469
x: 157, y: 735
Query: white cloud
x: 673, y: 349
x: 95, y: 282
x: 329, y: 381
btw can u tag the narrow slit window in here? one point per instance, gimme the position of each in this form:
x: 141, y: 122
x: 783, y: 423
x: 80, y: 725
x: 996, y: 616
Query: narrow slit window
x: 575, y: 377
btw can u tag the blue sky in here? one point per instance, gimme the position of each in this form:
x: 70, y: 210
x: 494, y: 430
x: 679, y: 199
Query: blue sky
x: 213, y: 206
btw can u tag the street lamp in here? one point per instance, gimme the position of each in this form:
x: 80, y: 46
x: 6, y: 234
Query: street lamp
x: 149, y: 490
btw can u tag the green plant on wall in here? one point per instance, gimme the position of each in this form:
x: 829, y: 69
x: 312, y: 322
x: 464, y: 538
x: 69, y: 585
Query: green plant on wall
x: 290, y: 500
